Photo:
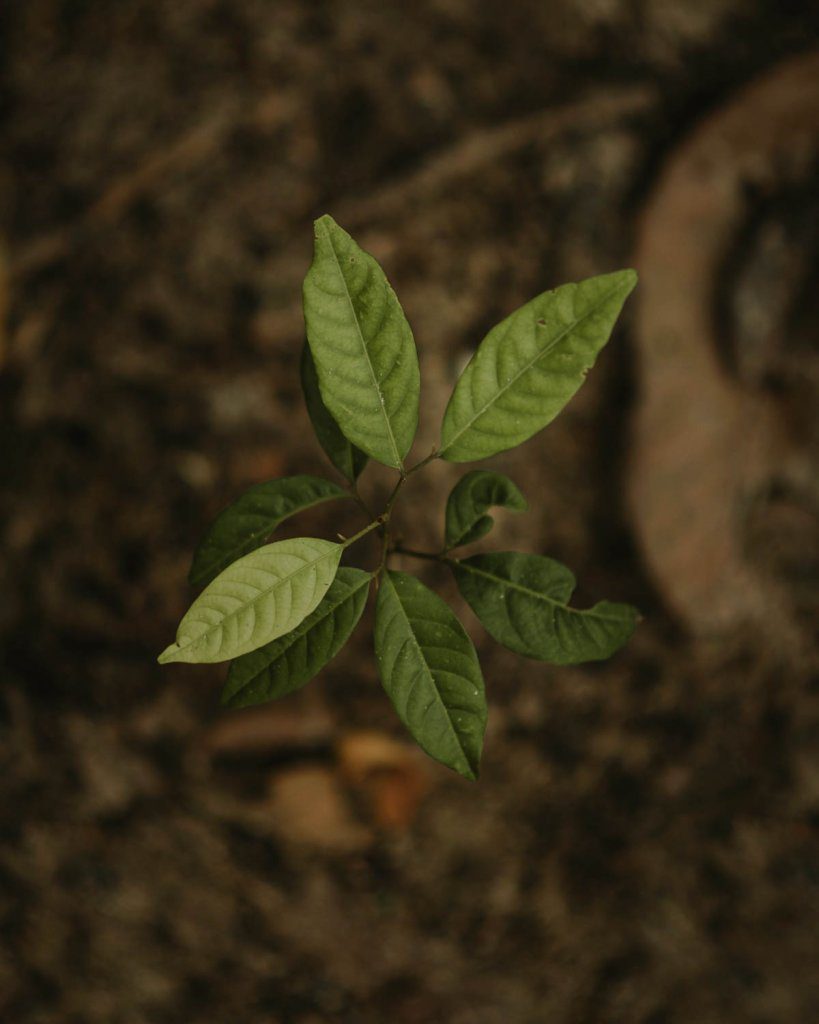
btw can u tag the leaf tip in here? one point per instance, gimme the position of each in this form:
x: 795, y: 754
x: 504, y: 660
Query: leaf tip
x: 169, y: 654
x: 324, y: 221
x: 229, y: 698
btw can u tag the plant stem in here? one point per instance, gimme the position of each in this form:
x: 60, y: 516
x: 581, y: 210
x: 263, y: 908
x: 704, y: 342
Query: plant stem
x: 402, y: 480
x: 429, y: 556
x: 385, y: 550
x: 393, y: 496
x: 367, y: 529
x: 385, y: 531
x: 384, y: 519
x: 420, y: 465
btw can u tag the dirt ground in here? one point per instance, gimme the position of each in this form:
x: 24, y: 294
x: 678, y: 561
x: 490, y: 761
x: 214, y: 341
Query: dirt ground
x: 643, y: 844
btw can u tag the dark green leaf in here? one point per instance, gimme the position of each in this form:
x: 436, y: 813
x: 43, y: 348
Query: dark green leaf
x: 362, y: 346
x: 522, y: 601
x: 288, y: 663
x: 262, y: 596
x: 347, y: 459
x: 430, y: 670
x: 249, y: 521
x: 471, y: 498
x: 529, y: 366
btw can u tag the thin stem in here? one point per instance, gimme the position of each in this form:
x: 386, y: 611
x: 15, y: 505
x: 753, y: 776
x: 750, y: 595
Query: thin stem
x: 385, y: 530
x: 429, y: 556
x: 384, y: 518
x: 434, y: 454
x: 403, y: 478
x: 394, y: 495
x: 385, y: 550
x: 367, y: 529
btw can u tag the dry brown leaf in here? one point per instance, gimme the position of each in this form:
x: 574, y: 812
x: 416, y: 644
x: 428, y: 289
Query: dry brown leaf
x: 268, y: 728
x: 309, y: 807
x: 393, y: 776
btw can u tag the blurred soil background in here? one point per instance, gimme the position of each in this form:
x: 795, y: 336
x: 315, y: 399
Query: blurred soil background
x: 643, y: 845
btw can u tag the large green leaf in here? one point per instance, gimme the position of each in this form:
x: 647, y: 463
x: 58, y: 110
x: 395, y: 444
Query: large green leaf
x: 430, y: 670
x: 347, y: 459
x: 529, y: 366
x: 288, y: 663
x: 249, y: 521
x: 362, y: 346
x: 522, y: 601
x: 473, y: 495
x: 262, y: 596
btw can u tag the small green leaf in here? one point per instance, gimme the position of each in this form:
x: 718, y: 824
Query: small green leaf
x: 471, y: 498
x: 522, y: 601
x: 529, y: 366
x: 347, y: 459
x: 430, y: 671
x: 288, y: 663
x: 362, y: 346
x: 262, y: 596
x: 248, y: 522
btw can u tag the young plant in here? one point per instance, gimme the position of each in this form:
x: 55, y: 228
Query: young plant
x: 279, y: 612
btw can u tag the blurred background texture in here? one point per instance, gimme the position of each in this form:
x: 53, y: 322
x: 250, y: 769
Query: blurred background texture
x: 643, y: 845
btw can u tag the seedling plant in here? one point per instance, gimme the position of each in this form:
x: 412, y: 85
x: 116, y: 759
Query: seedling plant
x: 279, y: 612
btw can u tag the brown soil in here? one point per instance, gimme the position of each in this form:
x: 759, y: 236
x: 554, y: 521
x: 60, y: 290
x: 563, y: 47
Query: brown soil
x: 643, y: 844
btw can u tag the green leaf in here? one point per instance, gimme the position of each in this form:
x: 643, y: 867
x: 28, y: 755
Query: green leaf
x: 249, y: 521
x: 262, y: 596
x: 430, y: 671
x: 288, y: 663
x: 347, y: 459
x: 471, y: 497
x: 522, y: 601
x: 529, y: 366
x: 362, y: 346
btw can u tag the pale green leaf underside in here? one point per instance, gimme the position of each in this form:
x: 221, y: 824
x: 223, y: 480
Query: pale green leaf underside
x: 347, y: 459
x: 522, y: 601
x: 262, y: 596
x: 249, y: 521
x: 430, y: 670
x: 294, y: 659
x: 362, y: 347
x: 471, y: 498
x: 530, y: 365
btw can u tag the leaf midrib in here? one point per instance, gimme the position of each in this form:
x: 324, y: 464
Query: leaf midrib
x: 565, y: 606
x: 438, y: 696
x: 262, y: 594
x: 525, y: 369
x: 391, y: 435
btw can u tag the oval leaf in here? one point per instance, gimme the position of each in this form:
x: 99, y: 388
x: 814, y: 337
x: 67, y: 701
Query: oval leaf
x: 248, y: 522
x: 430, y: 671
x: 262, y: 596
x: 471, y: 498
x: 288, y: 663
x: 522, y: 601
x: 529, y: 366
x: 347, y: 459
x: 362, y: 346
